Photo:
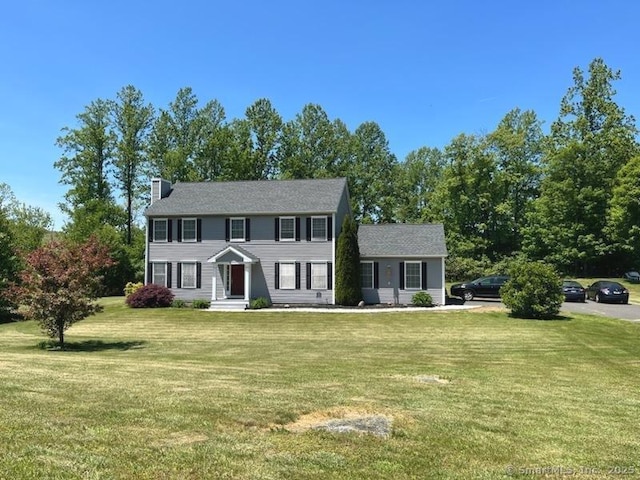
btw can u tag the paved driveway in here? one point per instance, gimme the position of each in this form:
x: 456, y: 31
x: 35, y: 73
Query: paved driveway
x: 614, y: 310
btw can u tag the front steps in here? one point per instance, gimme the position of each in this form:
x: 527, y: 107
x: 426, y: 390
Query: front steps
x: 228, y: 305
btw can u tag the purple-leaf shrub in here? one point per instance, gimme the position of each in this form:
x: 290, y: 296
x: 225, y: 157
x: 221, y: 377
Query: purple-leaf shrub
x: 150, y: 296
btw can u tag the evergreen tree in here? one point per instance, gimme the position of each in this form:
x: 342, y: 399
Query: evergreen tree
x: 348, y: 289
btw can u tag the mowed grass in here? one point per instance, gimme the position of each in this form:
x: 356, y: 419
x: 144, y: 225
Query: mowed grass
x: 178, y: 393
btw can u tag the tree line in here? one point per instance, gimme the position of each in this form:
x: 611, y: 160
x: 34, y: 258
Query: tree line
x: 569, y: 197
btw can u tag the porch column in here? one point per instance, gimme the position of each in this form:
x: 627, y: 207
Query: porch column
x: 247, y: 281
x: 215, y: 284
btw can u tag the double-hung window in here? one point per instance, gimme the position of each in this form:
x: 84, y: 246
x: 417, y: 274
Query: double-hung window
x: 319, y: 276
x: 237, y: 230
x: 366, y: 274
x: 287, y: 229
x: 188, y: 279
x: 413, y: 275
x: 288, y: 276
x: 189, y: 230
x: 318, y: 228
x: 160, y: 230
x: 159, y: 273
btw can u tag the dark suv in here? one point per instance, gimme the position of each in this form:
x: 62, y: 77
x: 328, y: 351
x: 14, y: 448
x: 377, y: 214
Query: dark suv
x: 480, y: 287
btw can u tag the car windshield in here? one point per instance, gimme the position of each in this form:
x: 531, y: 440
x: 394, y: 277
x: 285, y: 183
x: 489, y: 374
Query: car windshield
x: 610, y: 285
x: 571, y: 283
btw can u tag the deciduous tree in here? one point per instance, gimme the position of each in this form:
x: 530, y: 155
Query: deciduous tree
x: 60, y: 284
x: 132, y: 120
x: 591, y: 140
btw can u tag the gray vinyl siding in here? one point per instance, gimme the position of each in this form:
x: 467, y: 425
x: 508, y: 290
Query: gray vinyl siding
x: 262, y: 245
x: 344, y: 209
x: 389, y: 286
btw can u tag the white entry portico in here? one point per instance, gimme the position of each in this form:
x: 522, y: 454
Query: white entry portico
x: 233, y: 266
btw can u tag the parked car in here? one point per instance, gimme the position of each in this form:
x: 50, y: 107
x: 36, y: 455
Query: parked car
x: 632, y: 277
x: 607, y: 291
x: 480, y: 287
x: 573, y: 291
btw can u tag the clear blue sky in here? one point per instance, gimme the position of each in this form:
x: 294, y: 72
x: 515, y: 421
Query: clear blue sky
x: 424, y: 71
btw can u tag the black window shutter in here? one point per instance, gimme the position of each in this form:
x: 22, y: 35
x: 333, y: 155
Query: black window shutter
x: 227, y: 227
x: 199, y: 230
x: 151, y: 225
x: 179, y: 229
x: 277, y: 275
x: 198, y: 275
x: 179, y: 275
x: 329, y: 276
x: 401, y: 275
x: 297, y: 229
x: 277, y: 229
x: 329, y: 228
x: 149, y: 273
x: 308, y: 276
x: 168, y: 275
x: 297, y: 275
x: 169, y: 230
x: 308, y: 229
x: 424, y: 275
x: 376, y: 275
x: 247, y: 229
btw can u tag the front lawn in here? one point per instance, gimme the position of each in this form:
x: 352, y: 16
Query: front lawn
x: 180, y: 393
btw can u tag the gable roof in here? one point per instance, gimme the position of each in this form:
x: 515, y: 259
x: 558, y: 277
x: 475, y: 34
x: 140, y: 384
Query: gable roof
x: 402, y: 240
x: 238, y: 251
x: 258, y: 197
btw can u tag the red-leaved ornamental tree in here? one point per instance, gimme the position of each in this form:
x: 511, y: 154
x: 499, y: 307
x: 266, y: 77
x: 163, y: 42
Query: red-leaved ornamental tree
x: 60, y: 283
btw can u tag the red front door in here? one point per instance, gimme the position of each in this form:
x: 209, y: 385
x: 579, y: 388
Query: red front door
x: 237, y: 280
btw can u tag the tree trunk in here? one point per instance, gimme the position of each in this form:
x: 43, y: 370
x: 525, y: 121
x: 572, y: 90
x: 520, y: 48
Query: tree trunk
x: 61, y: 334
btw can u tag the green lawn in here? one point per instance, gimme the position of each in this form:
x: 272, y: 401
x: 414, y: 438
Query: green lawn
x: 178, y: 393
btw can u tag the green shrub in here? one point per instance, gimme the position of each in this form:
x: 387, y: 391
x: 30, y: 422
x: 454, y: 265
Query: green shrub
x: 422, y: 299
x: 533, y: 291
x: 131, y: 287
x: 200, y: 304
x: 260, y: 302
x: 178, y: 304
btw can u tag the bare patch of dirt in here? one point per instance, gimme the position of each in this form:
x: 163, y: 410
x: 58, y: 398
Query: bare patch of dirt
x: 343, y: 420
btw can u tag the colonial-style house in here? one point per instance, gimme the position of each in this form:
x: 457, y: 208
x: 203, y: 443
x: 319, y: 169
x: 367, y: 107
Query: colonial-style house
x: 230, y: 242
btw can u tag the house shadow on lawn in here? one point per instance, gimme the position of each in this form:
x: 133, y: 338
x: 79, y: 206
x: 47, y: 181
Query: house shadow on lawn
x: 90, y: 346
x: 555, y: 318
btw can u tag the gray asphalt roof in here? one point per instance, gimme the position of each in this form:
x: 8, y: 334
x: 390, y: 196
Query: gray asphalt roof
x: 401, y: 239
x: 251, y: 197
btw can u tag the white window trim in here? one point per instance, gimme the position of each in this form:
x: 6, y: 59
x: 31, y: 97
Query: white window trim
x: 372, y: 274
x: 292, y: 239
x: 195, y: 230
x: 244, y: 229
x: 326, y: 276
x: 280, y: 287
x: 406, y: 270
x: 166, y: 229
x: 153, y: 273
x: 195, y: 275
x: 319, y: 239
